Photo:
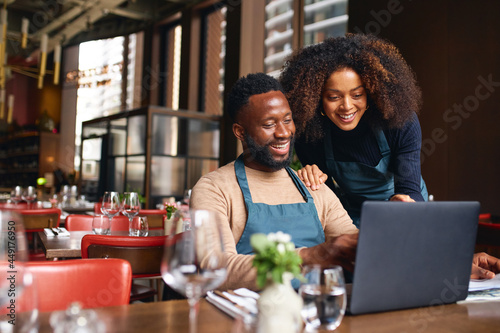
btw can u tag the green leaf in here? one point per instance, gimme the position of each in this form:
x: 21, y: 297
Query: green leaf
x: 277, y: 274
x: 259, y: 242
x: 261, y: 280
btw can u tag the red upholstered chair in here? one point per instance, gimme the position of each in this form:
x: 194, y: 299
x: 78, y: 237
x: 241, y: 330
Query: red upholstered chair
x: 155, y: 217
x: 35, y: 220
x: 12, y: 206
x: 488, y: 235
x: 143, y: 253
x: 77, y: 222
x: 91, y: 282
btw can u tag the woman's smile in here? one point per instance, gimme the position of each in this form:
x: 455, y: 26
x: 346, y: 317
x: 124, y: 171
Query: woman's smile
x: 344, y: 99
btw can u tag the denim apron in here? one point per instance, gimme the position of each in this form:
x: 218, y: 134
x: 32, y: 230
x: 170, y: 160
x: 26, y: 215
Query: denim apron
x: 356, y: 182
x: 299, y: 220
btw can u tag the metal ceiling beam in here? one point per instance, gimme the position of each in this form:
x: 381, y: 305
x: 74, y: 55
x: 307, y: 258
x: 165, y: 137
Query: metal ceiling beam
x: 64, y: 18
x: 81, y: 23
x: 131, y: 14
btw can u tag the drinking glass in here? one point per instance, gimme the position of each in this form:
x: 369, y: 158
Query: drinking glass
x: 29, y: 195
x: 324, y: 295
x: 193, y: 261
x: 130, y: 208
x: 16, y: 195
x: 139, y: 226
x: 101, y: 225
x: 110, y: 205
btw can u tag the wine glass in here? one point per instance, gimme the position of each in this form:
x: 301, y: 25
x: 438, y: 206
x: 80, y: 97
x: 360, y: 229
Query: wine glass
x: 187, y: 196
x: 13, y: 255
x: 16, y: 195
x: 130, y: 208
x: 110, y: 205
x: 324, y: 295
x: 194, y: 262
x: 29, y: 195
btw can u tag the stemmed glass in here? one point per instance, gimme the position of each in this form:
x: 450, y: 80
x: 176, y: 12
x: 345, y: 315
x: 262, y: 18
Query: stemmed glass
x: 110, y: 205
x: 130, y: 208
x: 29, y: 195
x: 16, y: 282
x: 194, y: 262
x: 187, y: 196
x: 16, y: 195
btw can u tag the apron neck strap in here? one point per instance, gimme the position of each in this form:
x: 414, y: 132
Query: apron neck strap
x: 241, y: 176
x: 298, y: 183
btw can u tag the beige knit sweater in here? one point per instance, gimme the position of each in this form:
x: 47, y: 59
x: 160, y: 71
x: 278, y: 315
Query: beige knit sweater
x: 219, y: 191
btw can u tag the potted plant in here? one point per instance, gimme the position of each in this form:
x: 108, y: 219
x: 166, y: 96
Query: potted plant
x: 277, y: 263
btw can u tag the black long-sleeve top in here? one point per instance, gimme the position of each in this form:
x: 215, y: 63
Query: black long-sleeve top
x: 360, y: 145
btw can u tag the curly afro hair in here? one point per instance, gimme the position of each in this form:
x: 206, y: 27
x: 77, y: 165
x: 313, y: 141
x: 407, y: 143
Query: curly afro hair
x: 246, y: 87
x: 390, y: 83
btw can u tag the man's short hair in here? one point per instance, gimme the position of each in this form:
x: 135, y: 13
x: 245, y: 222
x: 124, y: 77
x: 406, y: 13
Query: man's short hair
x: 247, y: 86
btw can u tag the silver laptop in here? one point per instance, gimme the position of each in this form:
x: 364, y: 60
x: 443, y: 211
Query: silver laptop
x: 413, y: 254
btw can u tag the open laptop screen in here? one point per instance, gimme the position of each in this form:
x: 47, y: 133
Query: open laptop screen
x: 413, y: 254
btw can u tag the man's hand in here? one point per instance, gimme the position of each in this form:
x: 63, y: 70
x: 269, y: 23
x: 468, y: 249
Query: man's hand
x: 312, y: 176
x: 484, y: 266
x: 334, y: 251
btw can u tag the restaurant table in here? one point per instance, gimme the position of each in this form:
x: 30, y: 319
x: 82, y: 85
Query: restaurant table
x: 56, y: 247
x: 173, y: 317
x: 79, y: 210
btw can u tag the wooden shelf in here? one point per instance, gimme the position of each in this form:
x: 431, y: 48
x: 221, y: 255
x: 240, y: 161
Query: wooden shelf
x: 37, y: 151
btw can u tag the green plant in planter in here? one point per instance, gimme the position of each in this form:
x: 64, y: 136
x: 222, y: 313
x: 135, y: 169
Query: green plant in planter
x: 142, y: 199
x: 170, y: 208
x: 274, y: 255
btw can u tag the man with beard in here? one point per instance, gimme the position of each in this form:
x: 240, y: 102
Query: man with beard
x: 259, y: 192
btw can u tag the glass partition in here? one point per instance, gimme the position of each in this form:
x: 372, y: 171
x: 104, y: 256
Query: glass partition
x: 136, y: 173
x: 118, y: 137
x: 203, y: 139
x: 136, y: 135
x: 167, y: 176
x: 165, y: 135
x: 156, y: 151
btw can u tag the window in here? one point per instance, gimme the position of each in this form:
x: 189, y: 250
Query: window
x: 213, y: 54
x: 279, y: 34
x: 317, y: 19
x: 170, y: 67
x: 323, y: 19
x: 101, y: 91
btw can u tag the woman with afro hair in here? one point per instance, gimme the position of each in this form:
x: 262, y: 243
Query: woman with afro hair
x: 355, y: 101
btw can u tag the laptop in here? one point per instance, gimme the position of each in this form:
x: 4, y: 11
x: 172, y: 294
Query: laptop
x: 413, y: 254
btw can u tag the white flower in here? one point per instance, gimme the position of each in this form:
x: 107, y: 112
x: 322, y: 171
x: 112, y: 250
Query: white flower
x: 272, y: 237
x: 281, y: 248
x: 282, y: 237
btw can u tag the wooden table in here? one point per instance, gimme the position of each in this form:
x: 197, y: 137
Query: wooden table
x: 70, y: 247
x: 173, y: 317
x: 79, y: 210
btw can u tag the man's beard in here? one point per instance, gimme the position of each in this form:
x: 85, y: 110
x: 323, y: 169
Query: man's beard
x: 262, y: 155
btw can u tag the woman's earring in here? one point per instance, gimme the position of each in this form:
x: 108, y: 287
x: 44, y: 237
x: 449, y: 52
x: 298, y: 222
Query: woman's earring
x: 322, y: 113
